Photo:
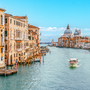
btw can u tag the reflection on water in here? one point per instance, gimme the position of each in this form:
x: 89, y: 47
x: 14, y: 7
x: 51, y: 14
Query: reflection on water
x: 72, y: 68
x: 54, y: 73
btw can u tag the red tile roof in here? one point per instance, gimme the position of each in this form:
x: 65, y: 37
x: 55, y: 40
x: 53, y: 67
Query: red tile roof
x: 2, y: 9
x: 20, y: 17
x: 6, y: 14
x: 31, y: 26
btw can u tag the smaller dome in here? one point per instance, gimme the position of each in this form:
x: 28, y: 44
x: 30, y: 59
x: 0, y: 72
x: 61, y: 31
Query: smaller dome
x: 76, y: 33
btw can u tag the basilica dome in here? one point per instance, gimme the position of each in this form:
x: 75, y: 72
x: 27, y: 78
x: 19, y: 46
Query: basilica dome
x: 68, y: 31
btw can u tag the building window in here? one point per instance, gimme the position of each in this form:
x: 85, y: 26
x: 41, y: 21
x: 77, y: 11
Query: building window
x: 14, y: 22
x: 1, y: 58
x: 5, y: 20
x: 1, y: 19
x: 19, y: 58
x: 14, y: 55
x: 32, y: 38
x: 35, y: 30
x: 5, y: 58
x: 17, y: 23
x: 1, y: 30
x: 1, y: 50
x: 10, y: 21
x: 21, y: 24
x: 5, y: 47
x: 1, y: 38
x: 24, y: 25
x: 21, y: 54
x: 29, y: 37
x: 5, y: 33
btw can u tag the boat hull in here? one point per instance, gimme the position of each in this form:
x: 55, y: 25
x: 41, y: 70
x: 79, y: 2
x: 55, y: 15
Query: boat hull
x: 74, y: 65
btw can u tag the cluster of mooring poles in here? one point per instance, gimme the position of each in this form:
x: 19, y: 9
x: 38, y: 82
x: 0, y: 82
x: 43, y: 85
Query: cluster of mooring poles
x: 5, y: 71
x: 40, y: 57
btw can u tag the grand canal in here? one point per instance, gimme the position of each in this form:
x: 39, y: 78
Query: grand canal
x: 52, y: 74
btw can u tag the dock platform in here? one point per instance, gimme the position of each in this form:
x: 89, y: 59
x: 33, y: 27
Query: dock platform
x: 8, y: 72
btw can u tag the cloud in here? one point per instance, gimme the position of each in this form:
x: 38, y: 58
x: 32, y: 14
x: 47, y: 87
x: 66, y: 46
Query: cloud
x: 50, y: 33
x: 87, y: 29
x: 51, y: 28
x: 62, y: 28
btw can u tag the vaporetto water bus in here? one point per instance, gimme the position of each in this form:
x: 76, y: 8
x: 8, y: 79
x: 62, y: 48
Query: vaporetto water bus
x: 73, y: 62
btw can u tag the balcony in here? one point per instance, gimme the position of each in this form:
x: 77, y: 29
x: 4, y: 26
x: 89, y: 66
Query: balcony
x: 27, y: 47
x: 26, y: 39
x: 18, y: 38
x: 6, y: 38
x: 31, y: 48
x: 11, y: 37
x: 19, y: 49
x: 2, y: 44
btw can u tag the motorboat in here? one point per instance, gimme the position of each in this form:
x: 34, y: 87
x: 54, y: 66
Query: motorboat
x: 73, y: 62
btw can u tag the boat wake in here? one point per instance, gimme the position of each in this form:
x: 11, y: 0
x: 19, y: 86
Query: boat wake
x: 79, y: 65
x: 79, y: 60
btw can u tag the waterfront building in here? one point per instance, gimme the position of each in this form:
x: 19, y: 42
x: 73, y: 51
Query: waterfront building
x: 68, y: 39
x: 2, y: 43
x: 33, y: 36
x: 16, y: 39
x: 54, y: 43
x: 19, y: 40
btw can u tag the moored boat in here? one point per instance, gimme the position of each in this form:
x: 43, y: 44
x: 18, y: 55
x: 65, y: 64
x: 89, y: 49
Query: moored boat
x: 73, y: 62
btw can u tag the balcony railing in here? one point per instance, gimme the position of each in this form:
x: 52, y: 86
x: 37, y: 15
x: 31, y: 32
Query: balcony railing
x: 27, y: 47
x: 26, y: 39
x: 6, y: 38
x: 2, y: 43
x: 18, y: 38
x: 19, y: 49
x: 5, y: 51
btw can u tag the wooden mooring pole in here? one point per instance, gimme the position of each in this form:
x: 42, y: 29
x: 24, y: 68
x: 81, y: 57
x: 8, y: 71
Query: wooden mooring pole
x: 43, y: 57
x: 40, y: 56
x: 5, y: 69
x: 16, y: 64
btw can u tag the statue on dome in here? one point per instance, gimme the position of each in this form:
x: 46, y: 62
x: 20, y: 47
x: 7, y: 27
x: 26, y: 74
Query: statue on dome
x: 68, y: 26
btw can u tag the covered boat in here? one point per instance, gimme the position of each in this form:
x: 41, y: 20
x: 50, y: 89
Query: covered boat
x: 73, y: 62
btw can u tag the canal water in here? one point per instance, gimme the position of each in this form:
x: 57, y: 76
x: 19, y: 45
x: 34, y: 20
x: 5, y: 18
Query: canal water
x: 52, y: 74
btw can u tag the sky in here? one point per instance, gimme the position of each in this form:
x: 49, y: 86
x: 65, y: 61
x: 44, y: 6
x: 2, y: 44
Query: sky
x: 52, y: 16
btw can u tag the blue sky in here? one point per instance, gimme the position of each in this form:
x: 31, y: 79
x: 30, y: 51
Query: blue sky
x: 52, y: 16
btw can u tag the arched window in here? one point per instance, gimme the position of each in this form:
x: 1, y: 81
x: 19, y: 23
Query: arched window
x: 1, y: 19
x: 1, y: 38
x: 1, y: 30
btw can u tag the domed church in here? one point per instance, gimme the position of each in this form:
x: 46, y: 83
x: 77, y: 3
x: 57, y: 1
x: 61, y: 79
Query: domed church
x: 68, y: 32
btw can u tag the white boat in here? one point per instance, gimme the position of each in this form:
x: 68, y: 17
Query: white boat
x: 37, y: 60
x: 73, y: 62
